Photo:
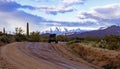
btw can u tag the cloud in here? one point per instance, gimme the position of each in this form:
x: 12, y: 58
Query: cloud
x: 6, y: 0
x: 19, y: 19
x: 10, y: 17
x: 65, y: 2
x: 55, y: 10
x: 42, y: 0
x: 63, y: 6
x: 86, y: 23
x: 104, y: 15
x: 72, y: 2
x: 9, y: 6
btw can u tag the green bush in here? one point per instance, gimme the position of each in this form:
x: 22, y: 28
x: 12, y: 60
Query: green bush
x: 20, y: 37
x: 102, y: 44
x: 4, y: 39
x: 111, y: 42
x: 7, y: 38
x: 89, y: 38
x: 44, y: 38
x: 62, y: 38
x: 34, y: 37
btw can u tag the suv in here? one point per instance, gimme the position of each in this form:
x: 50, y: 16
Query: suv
x: 52, y: 38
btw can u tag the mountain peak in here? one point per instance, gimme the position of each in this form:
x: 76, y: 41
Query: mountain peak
x: 112, y: 30
x: 58, y: 30
x: 114, y: 26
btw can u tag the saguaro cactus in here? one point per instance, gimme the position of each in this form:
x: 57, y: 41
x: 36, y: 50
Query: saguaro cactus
x: 27, y: 29
x: 4, y: 30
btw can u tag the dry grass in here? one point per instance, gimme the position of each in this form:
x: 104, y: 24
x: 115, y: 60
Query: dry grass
x: 101, y: 57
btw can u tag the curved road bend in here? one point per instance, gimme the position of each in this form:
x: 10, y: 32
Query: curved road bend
x: 27, y: 55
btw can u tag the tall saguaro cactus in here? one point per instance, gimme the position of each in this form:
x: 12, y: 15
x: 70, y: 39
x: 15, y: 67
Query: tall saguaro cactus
x: 27, y: 29
x: 4, y: 30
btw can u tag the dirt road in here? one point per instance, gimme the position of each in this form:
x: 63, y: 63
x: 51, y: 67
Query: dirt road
x: 26, y: 55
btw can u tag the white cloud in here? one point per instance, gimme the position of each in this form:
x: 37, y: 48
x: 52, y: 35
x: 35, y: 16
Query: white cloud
x: 105, y: 15
x: 95, y: 17
x: 11, y: 20
x: 54, y: 10
x: 71, y: 2
x: 6, y: 0
x: 62, y: 6
x: 107, y: 12
x: 43, y: 0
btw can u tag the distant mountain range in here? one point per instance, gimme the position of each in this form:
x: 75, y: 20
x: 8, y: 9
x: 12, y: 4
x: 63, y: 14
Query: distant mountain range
x: 64, y: 31
x: 112, y: 30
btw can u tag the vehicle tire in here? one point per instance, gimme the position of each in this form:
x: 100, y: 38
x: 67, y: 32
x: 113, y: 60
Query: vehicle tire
x: 49, y: 41
x: 56, y: 42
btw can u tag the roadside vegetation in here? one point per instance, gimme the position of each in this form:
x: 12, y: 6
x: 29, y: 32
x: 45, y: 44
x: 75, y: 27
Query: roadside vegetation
x: 103, y: 52
x: 19, y: 36
x: 111, y: 42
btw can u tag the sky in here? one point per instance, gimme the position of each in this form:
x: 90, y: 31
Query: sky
x: 71, y: 14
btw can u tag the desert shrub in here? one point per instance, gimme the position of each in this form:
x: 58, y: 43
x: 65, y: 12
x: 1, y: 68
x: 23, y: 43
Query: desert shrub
x: 73, y: 41
x: 20, y: 37
x: 102, y: 44
x: 11, y: 38
x: 89, y: 38
x: 91, y: 43
x: 1, y: 33
x: 112, y: 38
x: 62, y: 38
x: 71, y: 45
x: 7, y: 38
x: 106, y: 45
x: 113, y: 46
x: 44, y: 38
x: 112, y: 41
x: 34, y: 37
x: 4, y: 39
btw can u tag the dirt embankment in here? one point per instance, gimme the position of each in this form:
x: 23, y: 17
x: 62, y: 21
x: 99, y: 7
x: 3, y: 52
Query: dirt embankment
x: 100, y: 57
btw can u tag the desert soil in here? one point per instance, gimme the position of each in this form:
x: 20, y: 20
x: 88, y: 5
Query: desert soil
x: 3, y: 63
x: 27, y: 55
